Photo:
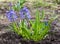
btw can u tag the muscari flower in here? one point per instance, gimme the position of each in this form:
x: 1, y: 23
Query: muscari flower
x: 11, y: 15
x: 25, y: 13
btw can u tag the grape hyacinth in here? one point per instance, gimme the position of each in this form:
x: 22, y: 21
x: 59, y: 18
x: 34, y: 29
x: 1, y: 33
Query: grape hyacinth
x: 25, y: 13
x: 11, y: 15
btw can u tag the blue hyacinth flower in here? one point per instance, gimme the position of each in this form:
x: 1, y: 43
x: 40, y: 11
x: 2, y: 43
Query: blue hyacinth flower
x: 11, y: 15
x: 25, y: 13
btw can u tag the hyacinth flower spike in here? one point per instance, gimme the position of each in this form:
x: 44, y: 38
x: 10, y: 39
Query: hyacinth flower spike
x: 25, y: 13
x: 11, y: 15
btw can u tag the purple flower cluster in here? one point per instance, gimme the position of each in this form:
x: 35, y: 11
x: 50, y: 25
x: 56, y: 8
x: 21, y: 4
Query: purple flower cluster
x: 11, y: 15
x: 25, y: 13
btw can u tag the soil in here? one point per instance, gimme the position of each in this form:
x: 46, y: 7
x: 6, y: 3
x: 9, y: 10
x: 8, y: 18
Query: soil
x: 12, y: 38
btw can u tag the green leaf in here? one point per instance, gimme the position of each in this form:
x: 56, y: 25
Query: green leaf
x: 15, y: 28
x: 43, y: 15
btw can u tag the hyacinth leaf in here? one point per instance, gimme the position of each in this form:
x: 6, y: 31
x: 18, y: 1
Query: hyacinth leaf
x: 25, y: 31
x: 15, y: 27
x: 32, y: 24
x: 18, y: 5
x: 42, y: 15
x: 35, y: 26
x: 32, y: 28
x: 22, y: 1
x: 44, y: 32
x: 20, y: 28
x: 37, y: 21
